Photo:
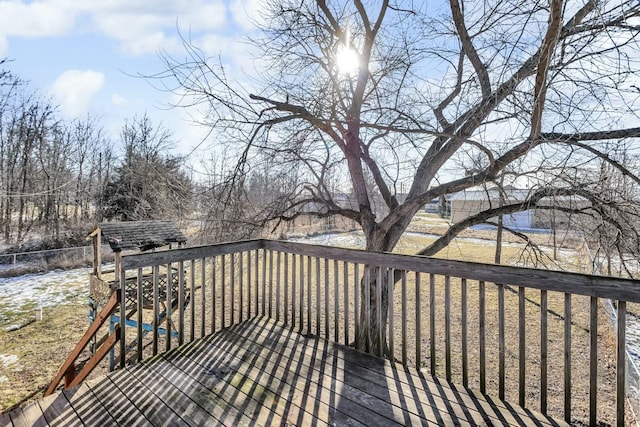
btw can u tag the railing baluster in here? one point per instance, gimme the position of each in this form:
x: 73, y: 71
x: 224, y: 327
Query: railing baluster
x: 169, y: 302
x: 345, y: 271
x: 139, y: 308
x: 543, y: 351
x: 181, y: 305
x: 391, y: 315
x: 156, y: 311
x: 264, y: 282
x: 356, y: 303
x: 593, y: 361
x: 521, y: 347
x: 286, y: 288
x: 249, y: 286
x: 241, y: 286
x: 403, y: 307
x: 367, y: 308
x: 203, y: 296
x: 418, y: 322
x: 223, y: 293
x: 432, y: 323
x: 465, y: 362
x: 318, y: 305
x: 501, y: 343
x: 256, y: 259
x: 271, y: 284
x: 326, y: 298
x: 447, y: 326
x: 214, y: 303
x: 336, y: 302
x: 379, y: 338
x: 567, y: 357
x: 123, y: 315
x: 294, y: 307
x: 309, y: 326
x: 621, y: 362
x: 232, y: 293
x: 301, y: 292
x: 192, y: 305
x: 278, y: 290
x: 482, y: 339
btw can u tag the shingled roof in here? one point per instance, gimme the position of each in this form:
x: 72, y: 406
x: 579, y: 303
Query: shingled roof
x: 142, y: 235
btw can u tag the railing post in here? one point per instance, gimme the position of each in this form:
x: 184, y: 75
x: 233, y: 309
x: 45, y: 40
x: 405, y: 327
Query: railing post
x: 123, y: 310
x: 567, y: 357
x: 621, y: 362
x: 593, y: 361
x: 543, y: 351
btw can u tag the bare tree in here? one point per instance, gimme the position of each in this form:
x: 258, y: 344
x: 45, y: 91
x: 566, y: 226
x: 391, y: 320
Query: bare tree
x: 528, y: 85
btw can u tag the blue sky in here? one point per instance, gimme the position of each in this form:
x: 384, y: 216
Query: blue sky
x: 81, y: 52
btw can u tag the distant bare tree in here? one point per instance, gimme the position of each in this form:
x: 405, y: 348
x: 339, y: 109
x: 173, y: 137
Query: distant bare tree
x: 538, y: 87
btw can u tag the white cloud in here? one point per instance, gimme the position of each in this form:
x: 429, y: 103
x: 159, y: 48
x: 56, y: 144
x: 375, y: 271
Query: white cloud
x: 150, y: 26
x: 35, y: 19
x: 118, y: 100
x: 246, y: 12
x: 140, y: 27
x: 75, y: 89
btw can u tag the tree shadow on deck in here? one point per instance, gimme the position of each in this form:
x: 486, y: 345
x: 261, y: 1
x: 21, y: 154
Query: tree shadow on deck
x: 261, y: 372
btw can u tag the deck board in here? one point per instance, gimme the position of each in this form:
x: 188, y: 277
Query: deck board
x: 260, y: 372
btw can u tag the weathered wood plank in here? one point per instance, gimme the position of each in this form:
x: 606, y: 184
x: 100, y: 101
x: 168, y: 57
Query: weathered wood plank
x: 186, y: 254
x: 190, y: 396
x: 453, y: 405
x: 261, y: 372
x: 29, y: 416
x: 310, y: 377
x: 205, y: 359
x: 221, y: 371
x: 18, y: 419
x: 57, y: 410
x: 123, y: 411
x: 162, y: 401
x: 88, y: 407
x: 367, y: 375
x: 5, y: 420
x: 448, y: 389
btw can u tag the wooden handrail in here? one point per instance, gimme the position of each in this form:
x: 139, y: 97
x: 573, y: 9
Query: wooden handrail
x: 559, y: 281
x: 69, y: 364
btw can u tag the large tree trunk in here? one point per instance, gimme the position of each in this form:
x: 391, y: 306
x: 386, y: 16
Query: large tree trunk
x: 376, y: 285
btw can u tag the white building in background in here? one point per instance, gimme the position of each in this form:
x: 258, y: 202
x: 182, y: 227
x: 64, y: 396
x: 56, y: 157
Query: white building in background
x: 468, y: 203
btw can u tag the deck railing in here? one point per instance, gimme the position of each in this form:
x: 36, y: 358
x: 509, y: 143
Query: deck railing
x: 539, y: 338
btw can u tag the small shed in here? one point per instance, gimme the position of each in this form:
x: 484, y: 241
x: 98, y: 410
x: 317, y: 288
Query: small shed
x: 133, y: 235
x: 123, y: 237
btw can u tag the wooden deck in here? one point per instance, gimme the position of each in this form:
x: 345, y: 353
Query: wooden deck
x: 262, y: 373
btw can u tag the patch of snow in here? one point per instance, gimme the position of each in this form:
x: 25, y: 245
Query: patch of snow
x: 20, y: 295
x: 8, y: 359
x: 352, y: 239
